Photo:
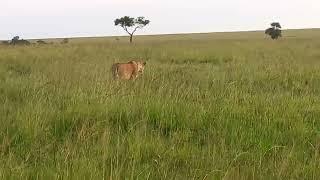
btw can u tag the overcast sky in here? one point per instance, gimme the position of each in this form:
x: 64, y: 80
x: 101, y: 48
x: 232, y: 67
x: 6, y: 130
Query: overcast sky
x: 65, y: 18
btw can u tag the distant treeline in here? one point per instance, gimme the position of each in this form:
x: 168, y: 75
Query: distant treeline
x: 17, y: 41
x: 126, y: 22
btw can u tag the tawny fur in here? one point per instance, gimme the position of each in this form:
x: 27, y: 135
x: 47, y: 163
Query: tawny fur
x: 127, y: 71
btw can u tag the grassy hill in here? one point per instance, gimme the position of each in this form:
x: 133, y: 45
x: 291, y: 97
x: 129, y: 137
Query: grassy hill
x: 209, y: 106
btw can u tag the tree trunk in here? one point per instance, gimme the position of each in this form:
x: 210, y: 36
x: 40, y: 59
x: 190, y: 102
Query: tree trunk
x: 131, y: 36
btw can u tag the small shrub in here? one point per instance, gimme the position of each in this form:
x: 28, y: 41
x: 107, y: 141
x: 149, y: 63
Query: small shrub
x: 65, y: 41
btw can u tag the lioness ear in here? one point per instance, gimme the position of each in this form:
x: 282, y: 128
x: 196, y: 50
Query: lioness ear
x: 144, y: 63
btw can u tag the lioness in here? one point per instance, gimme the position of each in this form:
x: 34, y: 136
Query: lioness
x: 128, y: 71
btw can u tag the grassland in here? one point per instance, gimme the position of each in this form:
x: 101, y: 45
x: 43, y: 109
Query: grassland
x: 209, y: 106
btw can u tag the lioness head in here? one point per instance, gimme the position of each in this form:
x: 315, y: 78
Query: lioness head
x: 141, y: 66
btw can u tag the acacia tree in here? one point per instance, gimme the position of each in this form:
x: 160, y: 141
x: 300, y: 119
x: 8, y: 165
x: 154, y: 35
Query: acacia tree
x: 274, y: 31
x: 130, y: 23
x: 15, y: 40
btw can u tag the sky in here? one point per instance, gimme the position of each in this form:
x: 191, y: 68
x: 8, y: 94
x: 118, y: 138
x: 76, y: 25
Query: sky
x: 38, y: 19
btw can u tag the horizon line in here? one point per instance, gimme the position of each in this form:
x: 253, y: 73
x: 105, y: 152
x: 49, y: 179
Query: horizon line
x: 160, y: 34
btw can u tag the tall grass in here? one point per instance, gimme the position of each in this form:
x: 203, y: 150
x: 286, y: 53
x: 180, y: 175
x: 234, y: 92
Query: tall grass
x: 205, y: 108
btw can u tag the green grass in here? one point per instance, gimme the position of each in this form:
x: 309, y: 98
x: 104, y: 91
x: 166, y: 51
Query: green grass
x: 209, y: 106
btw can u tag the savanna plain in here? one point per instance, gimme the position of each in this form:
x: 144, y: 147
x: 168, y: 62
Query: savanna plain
x: 208, y: 106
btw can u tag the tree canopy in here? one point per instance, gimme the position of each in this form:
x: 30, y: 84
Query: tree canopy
x: 274, y: 31
x: 17, y: 41
x: 131, y: 25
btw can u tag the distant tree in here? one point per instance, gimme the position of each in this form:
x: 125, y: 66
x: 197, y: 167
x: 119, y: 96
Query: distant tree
x: 23, y: 42
x: 17, y: 41
x: 65, y: 41
x: 41, y: 42
x: 5, y: 42
x: 274, y: 31
x: 134, y: 24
